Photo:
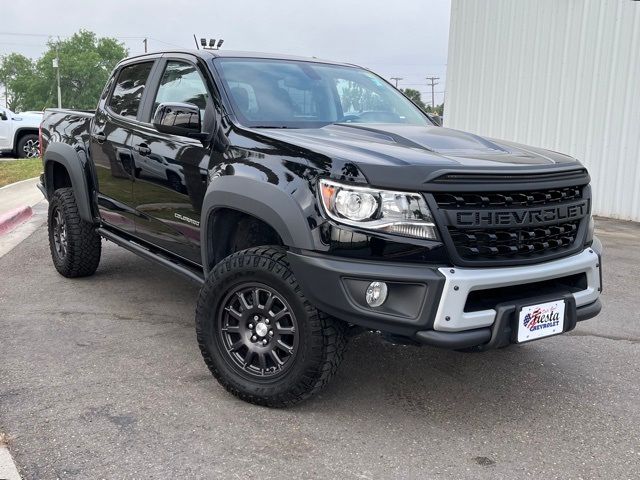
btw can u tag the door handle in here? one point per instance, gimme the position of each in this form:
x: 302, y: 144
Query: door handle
x: 99, y: 136
x: 143, y: 149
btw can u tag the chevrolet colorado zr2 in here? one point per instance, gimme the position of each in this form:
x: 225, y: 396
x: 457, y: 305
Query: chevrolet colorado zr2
x: 312, y: 201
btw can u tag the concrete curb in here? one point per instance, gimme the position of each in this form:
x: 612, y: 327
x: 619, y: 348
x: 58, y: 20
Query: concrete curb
x: 13, y: 218
x: 19, y: 182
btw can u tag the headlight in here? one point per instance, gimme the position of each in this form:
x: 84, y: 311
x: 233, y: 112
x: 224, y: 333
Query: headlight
x: 400, y: 213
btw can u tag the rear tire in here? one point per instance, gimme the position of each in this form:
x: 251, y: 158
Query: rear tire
x: 28, y: 146
x: 250, y: 306
x: 75, y: 246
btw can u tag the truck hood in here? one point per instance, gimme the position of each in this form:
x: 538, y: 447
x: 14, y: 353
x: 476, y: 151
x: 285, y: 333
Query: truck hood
x: 30, y: 119
x: 421, y: 150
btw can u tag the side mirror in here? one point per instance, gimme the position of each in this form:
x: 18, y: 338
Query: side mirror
x: 3, y: 115
x: 179, y: 119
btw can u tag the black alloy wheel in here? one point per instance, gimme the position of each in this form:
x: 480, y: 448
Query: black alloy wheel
x: 258, y: 330
x: 260, y: 336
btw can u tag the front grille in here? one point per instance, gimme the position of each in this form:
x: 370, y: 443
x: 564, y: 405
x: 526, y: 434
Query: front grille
x: 572, y: 176
x: 508, y: 199
x: 489, y: 243
x: 517, y: 226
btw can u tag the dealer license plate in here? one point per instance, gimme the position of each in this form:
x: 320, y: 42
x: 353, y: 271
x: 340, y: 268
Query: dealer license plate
x: 542, y: 320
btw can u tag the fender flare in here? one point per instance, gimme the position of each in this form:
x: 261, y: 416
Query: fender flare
x: 69, y: 158
x: 259, y: 199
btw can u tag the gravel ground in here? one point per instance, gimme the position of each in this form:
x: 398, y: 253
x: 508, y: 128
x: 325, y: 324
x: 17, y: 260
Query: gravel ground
x: 102, y: 378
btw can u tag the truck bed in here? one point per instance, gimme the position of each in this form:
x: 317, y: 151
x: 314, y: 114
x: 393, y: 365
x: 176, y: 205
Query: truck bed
x: 68, y: 126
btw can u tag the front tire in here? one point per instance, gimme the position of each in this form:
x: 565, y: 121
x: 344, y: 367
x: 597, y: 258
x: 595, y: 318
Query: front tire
x: 29, y: 146
x: 75, y: 246
x: 258, y: 334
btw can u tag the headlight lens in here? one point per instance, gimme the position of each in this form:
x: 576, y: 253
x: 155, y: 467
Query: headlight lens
x: 400, y: 213
x: 355, y: 206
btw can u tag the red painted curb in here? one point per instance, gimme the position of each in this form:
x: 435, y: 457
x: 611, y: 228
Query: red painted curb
x: 13, y: 218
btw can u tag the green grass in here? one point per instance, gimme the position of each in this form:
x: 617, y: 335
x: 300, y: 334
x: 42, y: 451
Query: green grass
x: 15, y: 170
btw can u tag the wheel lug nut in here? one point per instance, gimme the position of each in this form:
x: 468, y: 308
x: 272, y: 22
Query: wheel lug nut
x: 251, y: 325
x: 254, y: 338
x: 266, y: 320
x: 264, y: 342
x: 256, y: 318
x: 271, y: 333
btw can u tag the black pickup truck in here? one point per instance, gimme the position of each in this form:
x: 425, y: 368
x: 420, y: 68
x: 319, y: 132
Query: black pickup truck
x: 312, y: 201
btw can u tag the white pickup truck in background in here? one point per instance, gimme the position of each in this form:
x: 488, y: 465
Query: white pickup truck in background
x: 19, y: 133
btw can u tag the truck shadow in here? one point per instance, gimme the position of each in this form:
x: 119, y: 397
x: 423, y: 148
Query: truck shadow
x: 376, y: 378
x: 423, y: 384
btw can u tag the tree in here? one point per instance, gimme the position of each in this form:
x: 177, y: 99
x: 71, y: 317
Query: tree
x: 417, y: 99
x: 439, y: 110
x: 415, y: 96
x: 85, y: 64
x: 16, y: 76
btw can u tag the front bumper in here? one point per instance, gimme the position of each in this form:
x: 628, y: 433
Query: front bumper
x: 430, y: 304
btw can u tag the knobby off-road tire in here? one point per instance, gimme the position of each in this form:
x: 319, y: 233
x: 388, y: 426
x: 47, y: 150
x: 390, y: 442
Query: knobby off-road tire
x: 74, y: 244
x: 251, y: 305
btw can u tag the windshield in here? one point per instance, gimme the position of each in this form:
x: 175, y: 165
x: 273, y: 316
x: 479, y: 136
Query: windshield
x: 299, y: 94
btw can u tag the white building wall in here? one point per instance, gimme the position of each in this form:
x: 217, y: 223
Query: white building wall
x: 559, y: 74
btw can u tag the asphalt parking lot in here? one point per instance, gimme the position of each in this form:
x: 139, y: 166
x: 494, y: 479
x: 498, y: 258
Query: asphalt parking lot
x: 102, y: 378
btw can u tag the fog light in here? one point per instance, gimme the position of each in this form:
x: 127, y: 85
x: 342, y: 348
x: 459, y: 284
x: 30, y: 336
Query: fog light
x: 376, y: 294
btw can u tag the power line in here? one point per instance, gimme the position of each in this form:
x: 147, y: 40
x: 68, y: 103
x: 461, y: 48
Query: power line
x: 30, y: 34
x: 166, y: 43
x: 119, y: 37
x: 22, y: 44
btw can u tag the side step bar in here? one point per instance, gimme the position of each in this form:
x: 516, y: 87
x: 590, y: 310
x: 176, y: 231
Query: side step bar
x: 152, y: 255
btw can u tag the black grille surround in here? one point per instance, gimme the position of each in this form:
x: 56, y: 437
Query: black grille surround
x: 503, y: 227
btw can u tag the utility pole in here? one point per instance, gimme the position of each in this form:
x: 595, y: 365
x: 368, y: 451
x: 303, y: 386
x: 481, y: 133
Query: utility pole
x: 145, y: 45
x: 56, y: 64
x: 396, y: 79
x: 433, y: 93
x: 6, y: 93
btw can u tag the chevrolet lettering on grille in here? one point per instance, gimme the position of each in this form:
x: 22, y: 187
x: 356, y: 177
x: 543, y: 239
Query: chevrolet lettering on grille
x: 517, y: 217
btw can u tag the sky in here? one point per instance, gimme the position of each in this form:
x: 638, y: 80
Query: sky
x: 399, y: 38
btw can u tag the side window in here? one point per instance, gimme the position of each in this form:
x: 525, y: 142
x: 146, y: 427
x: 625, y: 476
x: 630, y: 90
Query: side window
x: 107, y: 89
x: 127, y: 93
x: 181, y: 83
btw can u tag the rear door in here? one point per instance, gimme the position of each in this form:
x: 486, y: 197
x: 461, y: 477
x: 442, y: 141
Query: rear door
x: 117, y: 115
x: 171, y: 177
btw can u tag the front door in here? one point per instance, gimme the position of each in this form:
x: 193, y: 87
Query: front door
x: 6, y: 140
x: 111, y: 134
x: 171, y: 171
